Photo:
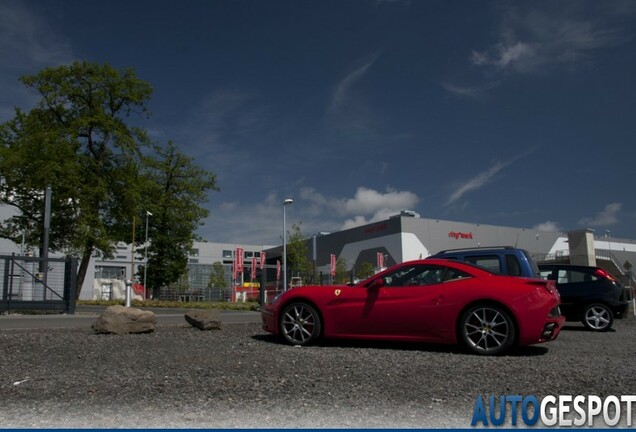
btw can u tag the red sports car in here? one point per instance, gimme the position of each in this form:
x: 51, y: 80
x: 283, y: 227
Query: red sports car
x: 434, y: 300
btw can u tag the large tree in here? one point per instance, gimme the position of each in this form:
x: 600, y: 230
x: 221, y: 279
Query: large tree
x: 80, y: 139
x: 175, y: 189
x: 77, y: 140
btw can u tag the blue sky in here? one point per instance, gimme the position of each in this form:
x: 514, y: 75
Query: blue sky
x: 506, y: 113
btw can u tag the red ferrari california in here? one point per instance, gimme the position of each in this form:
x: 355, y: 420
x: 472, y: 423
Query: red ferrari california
x: 434, y: 300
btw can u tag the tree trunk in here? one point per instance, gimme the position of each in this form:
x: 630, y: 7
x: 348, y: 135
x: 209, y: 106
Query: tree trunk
x: 83, y: 268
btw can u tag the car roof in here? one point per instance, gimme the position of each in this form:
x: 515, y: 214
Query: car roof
x: 451, y: 263
x: 567, y: 266
x: 476, y: 249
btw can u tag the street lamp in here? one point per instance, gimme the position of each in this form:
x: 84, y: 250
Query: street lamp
x: 287, y: 202
x: 148, y: 214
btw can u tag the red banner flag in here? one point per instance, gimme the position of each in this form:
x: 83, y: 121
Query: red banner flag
x: 380, y: 258
x: 239, y: 260
x: 277, y: 269
x: 333, y: 265
x: 253, y: 268
x: 262, y: 260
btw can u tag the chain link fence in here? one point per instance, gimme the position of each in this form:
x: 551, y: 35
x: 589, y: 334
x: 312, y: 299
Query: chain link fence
x: 33, y: 283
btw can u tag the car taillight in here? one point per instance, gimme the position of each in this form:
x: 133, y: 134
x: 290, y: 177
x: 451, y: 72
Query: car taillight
x: 605, y: 275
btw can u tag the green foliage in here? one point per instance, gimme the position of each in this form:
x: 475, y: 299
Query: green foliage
x: 298, y: 261
x: 342, y: 275
x: 174, y: 190
x: 217, y: 276
x: 75, y: 139
x: 365, y: 271
x: 104, y: 172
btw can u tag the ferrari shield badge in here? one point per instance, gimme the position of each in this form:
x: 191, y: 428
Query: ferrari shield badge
x: 337, y: 292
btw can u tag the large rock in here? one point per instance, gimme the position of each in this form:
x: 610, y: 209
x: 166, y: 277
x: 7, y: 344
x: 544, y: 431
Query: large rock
x: 125, y: 320
x: 204, y: 319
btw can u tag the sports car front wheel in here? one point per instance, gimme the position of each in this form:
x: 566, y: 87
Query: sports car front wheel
x: 299, y: 324
x: 487, y: 329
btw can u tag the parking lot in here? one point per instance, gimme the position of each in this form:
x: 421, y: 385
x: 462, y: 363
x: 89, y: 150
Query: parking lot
x: 242, y: 377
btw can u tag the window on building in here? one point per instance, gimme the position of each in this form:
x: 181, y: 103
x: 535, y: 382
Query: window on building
x: 110, y: 272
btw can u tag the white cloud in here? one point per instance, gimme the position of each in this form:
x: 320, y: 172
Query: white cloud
x: 365, y: 201
x: 359, y: 220
x: 530, y: 41
x: 607, y: 216
x: 261, y: 222
x: 347, y: 112
x: 341, y: 95
x: 483, y: 178
x: 477, y: 182
x: 548, y: 226
x: 470, y: 92
x: 503, y: 56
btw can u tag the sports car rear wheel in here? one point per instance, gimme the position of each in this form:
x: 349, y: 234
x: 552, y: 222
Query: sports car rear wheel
x: 598, y: 317
x: 487, y: 329
x: 300, y: 324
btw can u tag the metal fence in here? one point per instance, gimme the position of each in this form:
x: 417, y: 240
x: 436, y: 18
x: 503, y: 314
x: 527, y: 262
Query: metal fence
x: 33, y: 283
x: 193, y: 295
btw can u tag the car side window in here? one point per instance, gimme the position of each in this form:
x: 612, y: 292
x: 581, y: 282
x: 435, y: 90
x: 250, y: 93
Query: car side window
x: 414, y: 276
x: 514, y: 268
x: 546, y: 274
x: 575, y: 276
x: 420, y: 275
x: 489, y: 262
x: 453, y: 275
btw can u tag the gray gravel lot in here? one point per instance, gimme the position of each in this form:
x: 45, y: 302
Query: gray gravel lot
x: 180, y: 377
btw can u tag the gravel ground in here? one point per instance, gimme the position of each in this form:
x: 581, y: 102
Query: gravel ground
x: 180, y: 377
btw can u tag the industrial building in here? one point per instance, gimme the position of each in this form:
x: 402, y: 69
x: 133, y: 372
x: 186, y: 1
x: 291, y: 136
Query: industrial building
x: 407, y: 236
x: 400, y: 238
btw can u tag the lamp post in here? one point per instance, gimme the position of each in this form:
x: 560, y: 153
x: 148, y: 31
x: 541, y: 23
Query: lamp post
x: 131, y: 281
x: 287, y: 202
x: 148, y: 214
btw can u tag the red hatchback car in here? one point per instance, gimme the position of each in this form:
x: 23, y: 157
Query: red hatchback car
x: 433, y: 300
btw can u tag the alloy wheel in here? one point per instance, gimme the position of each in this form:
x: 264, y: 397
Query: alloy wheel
x: 300, y: 324
x: 487, y: 330
x: 598, y: 317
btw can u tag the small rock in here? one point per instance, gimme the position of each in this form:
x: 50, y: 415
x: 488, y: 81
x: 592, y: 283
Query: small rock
x: 204, y: 319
